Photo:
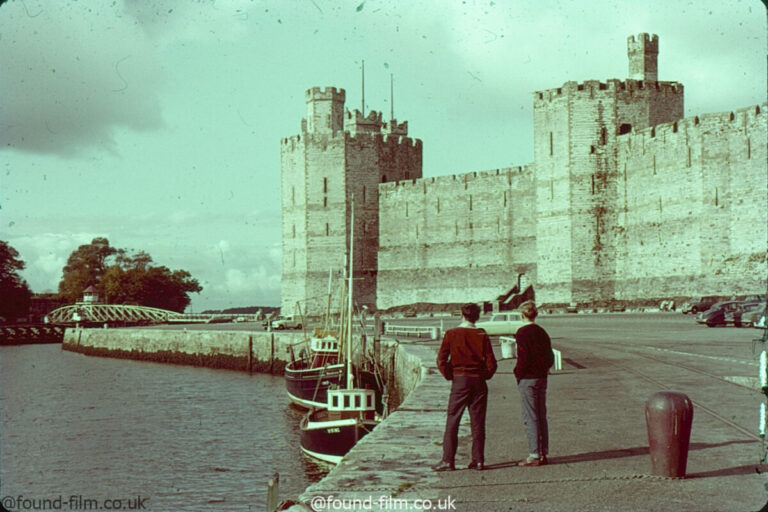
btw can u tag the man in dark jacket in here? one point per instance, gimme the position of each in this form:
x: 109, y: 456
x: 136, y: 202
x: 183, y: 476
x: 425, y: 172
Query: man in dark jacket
x: 534, y: 359
x: 466, y: 358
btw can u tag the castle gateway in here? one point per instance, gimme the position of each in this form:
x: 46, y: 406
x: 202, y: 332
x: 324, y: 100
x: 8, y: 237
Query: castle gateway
x: 626, y: 200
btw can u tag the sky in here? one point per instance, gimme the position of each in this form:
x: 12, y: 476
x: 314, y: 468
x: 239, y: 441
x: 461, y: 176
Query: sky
x: 157, y: 123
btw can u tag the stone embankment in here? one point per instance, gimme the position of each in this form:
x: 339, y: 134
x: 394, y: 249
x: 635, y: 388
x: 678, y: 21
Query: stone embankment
x: 265, y: 352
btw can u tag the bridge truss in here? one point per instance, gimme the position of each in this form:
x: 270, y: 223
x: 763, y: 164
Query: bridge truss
x: 106, y: 313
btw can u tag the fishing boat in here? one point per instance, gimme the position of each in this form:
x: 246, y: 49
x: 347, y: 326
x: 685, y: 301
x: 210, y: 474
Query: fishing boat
x: 329, y: 432
x: 308, y: 379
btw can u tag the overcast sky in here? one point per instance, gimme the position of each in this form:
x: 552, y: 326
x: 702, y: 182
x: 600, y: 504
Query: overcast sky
x: 157, y: 123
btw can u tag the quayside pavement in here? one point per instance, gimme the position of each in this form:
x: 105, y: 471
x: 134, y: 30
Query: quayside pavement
x: 599, y: 456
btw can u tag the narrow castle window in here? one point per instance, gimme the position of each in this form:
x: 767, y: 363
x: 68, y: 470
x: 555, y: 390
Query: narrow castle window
x: 550, y: 143
x: 293, y: 195
x: 384, y: 178
x: 551, y: 189
x: 406, y: 208
x: 625, y: 128
x: 325, y: 202
x: 689, y: 157
x: 327, y: 232
x: 717, y: 199
x: 593, y: 184
x: 438, y: 205
x: 363, y: 193
x: 749, y: 148
x: 325, y: 185
x: 603, y: 137
x: 505, y: 198
x: 470, y: 202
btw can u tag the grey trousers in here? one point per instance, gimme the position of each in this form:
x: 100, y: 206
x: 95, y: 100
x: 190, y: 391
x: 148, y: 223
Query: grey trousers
x: 533, y: 396
x: 472, y: 393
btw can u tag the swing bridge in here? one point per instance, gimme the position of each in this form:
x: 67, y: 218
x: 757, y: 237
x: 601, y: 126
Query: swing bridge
x: 131, y: 314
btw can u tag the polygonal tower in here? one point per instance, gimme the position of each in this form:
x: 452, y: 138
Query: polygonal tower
x: 643, y: 52
x: 339, y: 155
x: 575, y: 128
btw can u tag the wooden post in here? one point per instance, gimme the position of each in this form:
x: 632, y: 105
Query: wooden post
x: 271, y: 352
x: 273, y: 492
x: 376, y: 337
x: 250, y: 353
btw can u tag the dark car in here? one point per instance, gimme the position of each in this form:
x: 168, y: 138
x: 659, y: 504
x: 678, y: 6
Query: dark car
x: 697, y: 305
x: 724, y: 313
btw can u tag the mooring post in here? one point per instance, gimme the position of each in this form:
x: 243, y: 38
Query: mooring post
x: 250, y: 353
x: 273, y: 491
x: 271, y: 352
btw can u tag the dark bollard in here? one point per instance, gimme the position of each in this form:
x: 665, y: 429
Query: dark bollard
x: 669, y: 416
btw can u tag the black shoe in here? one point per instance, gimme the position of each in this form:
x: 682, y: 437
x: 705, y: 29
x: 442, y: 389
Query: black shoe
x: 443, y: 466
x: 479, y: 466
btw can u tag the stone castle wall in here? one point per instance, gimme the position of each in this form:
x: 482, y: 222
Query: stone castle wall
x: 693, y: 212
x: 455, y: 238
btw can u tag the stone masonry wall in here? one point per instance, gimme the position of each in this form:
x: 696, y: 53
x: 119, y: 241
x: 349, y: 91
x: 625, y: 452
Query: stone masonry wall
x: 693, y: 208
x: 455, y: 238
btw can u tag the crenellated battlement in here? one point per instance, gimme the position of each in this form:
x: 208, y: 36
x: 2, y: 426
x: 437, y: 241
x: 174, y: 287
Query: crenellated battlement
x: 590, y: 89
x: 643, y: 42
x: 325, y: 94
x: 463, y: 178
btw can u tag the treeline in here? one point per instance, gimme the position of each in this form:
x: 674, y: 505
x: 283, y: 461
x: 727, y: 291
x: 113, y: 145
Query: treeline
x: 124, y: 278
x: 247, y: 310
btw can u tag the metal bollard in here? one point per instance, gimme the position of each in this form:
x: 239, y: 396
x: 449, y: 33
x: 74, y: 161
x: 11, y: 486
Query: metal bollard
x: 668, y: 416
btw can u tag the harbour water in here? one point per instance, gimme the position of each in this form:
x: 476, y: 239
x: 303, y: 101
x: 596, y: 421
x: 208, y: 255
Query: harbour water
x: 162, y: 436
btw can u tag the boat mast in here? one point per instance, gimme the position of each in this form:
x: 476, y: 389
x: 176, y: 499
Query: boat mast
x: 350, y: 383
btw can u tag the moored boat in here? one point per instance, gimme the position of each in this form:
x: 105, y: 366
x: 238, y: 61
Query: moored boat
x: 308, y: 379
x: 328, y: 434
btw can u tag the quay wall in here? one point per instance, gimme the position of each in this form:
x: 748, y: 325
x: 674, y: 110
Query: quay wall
x: 216, y: 349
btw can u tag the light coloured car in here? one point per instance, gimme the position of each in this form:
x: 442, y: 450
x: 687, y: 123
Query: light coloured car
x: 502, y: 323
x: 288, y: 322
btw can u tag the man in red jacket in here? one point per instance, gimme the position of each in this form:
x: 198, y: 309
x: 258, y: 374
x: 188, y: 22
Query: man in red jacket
x: 466, y: 358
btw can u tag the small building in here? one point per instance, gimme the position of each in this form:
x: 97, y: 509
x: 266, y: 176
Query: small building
x: 91, y: 295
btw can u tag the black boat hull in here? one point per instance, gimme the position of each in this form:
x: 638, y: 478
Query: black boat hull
x: 308, y: 387
x: 330, y: 440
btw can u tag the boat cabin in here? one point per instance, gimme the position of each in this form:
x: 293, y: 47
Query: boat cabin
x: 346, y: 403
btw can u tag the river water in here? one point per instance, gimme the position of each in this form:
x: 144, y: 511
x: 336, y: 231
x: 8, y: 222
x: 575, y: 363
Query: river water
x: 156, y: 436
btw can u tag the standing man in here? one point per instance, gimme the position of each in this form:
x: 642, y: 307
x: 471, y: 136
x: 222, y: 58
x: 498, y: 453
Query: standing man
x: 466, y: 358
x: 534, y: 359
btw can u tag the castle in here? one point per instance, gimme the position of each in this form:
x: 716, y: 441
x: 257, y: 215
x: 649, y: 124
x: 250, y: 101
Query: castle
x: 626, y: 200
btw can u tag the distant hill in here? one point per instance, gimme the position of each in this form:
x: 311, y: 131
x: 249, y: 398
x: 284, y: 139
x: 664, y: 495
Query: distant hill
x: 247, y: 310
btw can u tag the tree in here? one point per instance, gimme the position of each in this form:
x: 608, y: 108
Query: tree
x: 122, y: 278
x: 85, y: 267
x: 14, y: 291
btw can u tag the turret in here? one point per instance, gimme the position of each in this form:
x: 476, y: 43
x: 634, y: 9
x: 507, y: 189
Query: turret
x: 325, y: 110
x: 643, y: 53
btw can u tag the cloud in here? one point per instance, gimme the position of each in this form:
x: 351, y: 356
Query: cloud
x: 46, y: 254
x: 89, y: 76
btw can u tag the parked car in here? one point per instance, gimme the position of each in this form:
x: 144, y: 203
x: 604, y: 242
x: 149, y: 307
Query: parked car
x: 724, y: 313
x: 697, y: 305
x: 288, y: 322
x: 752, y: 313
x: 502, y: 323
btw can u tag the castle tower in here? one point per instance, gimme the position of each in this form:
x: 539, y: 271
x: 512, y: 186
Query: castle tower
x: 643, y: 53
x: 577, y: 190
x: 337, y: 156
x: 325, y: 110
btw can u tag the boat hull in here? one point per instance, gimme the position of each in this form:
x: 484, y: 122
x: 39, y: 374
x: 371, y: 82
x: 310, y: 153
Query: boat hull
x: 308, y: 387
x: 329, y: 440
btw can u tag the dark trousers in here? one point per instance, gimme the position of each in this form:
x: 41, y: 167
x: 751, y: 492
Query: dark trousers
x: 533, y: 395
x: 466, y: 392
